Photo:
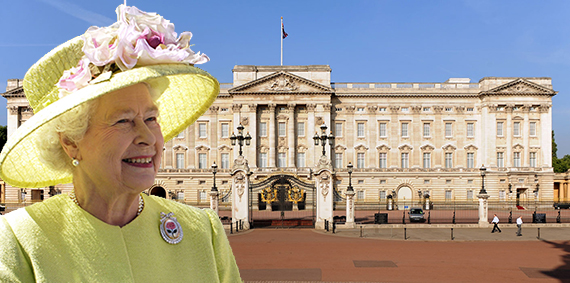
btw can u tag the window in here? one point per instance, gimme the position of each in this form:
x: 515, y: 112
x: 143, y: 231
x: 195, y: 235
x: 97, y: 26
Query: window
x: 263, y: 129
x: 426, y: 181
x: 470, y: 130
x: 202, y: 130
x: 470, y: 160
x: 516, y: 159
x: 448, y: 130
x: 225, y: 161
x: 282, y: 129
x: 360, y: 109
x: 360, y: 195
x: 360, y: 160
x: 300, y: 129
x: 448, y: 195
x: 502, y: 195
x: 382, y: 195
x: 383, y: 162
x: 470, y: 195
x: 532, y: 129
x: 532, y: 159
x: 263, y: 159
x: 404, y: 129
x: 382, y: 129
x: 180, y: 196
x: 469, y: 109
x: 448, y: 160
x: 202, y: 161
x: 301, y: 159
x: 382, y: 109
x: 470, y: 181
x: 426, y: 109
x: 179, y: 160
x: 426, y: 129
x: 180, y: 135
x: 500, y: 129
x: 338, y: 129
x: 405, y: 109
x: 427, y: 160
x: 500, y: 160
x: 203, y: 196
x: 382, y: 181
x: 448, y: 109
x: 225, y: 130
x: 360, y: 182
x: 448, y: 181
x: 360, y: 130
x: 405, y: 160
x: 517, y: 129
x: 338, y: 160
x: 281, y: 159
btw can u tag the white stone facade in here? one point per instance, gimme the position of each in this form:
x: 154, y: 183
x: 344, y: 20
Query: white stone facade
x: 406, y: 139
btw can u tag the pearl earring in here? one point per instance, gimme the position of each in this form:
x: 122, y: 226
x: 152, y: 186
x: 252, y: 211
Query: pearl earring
x: 75, y: 162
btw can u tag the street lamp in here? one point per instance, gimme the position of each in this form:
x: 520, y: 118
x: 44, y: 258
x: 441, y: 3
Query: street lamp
x: 240, y: 138
x: 483, y: 170
x: 537, y: 185
x: 349, y: 166
x: 214, y: 171
x: 323, y: 138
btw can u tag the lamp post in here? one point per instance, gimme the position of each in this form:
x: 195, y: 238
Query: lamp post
x: 323, y: 138
x: 483, y: 171
x: 250, y: 199
x: 214, y: 171
x: 349, y: 188
x: 537, y: 186
x: 240, y: 139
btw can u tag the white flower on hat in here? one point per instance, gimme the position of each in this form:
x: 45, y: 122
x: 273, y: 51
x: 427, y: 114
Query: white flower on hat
x: 136, y: 39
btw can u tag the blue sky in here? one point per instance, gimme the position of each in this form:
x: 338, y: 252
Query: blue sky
x: 362, y: 41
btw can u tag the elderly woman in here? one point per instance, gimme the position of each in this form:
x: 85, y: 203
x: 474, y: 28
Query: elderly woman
x: 104, y: 104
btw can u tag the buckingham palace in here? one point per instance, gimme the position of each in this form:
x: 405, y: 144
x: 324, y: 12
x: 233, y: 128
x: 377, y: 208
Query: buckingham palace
x: 405, y: 140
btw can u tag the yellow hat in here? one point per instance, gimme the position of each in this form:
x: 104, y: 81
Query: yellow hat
x: 139, y: 47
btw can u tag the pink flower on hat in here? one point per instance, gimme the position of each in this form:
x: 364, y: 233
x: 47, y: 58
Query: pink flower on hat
x: 74, y: 78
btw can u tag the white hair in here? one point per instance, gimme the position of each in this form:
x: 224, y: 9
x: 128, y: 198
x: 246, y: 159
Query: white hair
x: 71, y: 125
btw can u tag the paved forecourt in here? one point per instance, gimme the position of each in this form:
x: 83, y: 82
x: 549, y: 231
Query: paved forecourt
x: 382, y: 255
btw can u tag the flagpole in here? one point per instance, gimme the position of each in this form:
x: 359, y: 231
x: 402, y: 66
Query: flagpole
x: 281, y: 27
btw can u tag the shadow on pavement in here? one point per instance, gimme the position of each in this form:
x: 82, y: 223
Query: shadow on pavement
x: 562, y: 272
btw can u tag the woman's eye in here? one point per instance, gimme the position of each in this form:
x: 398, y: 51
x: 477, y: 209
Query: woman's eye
x: 122, y: 121
x: 151, y: 119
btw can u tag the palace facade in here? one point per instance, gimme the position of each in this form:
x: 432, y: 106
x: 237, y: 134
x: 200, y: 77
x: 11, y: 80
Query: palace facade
x: 405, y: 140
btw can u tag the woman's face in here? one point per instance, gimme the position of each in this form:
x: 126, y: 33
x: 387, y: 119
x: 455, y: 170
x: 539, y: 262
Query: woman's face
x: 122, y: 148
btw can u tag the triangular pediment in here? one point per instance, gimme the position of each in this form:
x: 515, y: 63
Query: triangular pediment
x: 15, y: 92
x: 521, y: 87
x: 279, y: 83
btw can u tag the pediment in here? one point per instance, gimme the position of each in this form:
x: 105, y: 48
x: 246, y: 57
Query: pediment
x: 279, y: 83
x: 520, y: 87
x: 15, y: 92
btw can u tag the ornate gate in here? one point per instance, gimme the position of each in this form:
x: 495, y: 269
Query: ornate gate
x: 282, y: 200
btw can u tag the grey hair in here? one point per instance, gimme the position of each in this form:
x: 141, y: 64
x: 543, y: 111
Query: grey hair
x: 71, y: 125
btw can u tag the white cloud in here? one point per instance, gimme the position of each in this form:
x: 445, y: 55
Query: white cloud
x: 80, y: 13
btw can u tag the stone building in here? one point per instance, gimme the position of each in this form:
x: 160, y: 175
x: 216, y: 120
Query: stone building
x: 405, y: 140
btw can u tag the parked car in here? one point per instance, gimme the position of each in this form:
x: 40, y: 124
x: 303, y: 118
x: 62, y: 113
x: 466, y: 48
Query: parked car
x: 416, y: 214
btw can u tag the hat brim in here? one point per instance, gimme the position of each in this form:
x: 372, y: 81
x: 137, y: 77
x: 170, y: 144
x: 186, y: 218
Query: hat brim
x: 186, y: 93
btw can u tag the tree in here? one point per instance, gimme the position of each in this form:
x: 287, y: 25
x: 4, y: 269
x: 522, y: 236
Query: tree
x: 3, y: 136
x: 559, y: 165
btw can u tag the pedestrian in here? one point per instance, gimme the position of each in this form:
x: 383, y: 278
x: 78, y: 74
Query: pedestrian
x: 495, y: 224
x: 519, y: 225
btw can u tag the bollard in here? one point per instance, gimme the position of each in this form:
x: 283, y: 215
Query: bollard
x: 558, y: 217
x: 231, y: 228
x: 326, y: 225
x: 360, y: 231
x: 241, y: 224
x: 538, y: 233
x: 334, y: 227
x: 405, y: 233
x: 237, y: 226
x: 452, y: 238
x: 429, y: 217
x: 403, y: 217
x: 511, y: 216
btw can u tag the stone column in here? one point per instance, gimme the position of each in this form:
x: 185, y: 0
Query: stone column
x: 214, y: 201
x: 291, y: 136
x: 483, y: 210
x: 312, y: 156
x: 271, y: 135
x: 350, y: 210
x: 240, y: 192
x: 324, y: 185
x: 213, y: 136
x: 252, y: 130
x: 236, y: 109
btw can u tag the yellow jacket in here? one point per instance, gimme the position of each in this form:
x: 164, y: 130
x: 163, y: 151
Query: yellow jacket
x: 57, y: 241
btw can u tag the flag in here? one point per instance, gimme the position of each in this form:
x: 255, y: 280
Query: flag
x: 283, y: 31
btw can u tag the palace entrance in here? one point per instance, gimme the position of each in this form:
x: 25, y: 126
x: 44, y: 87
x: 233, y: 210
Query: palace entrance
x: 282, y: 201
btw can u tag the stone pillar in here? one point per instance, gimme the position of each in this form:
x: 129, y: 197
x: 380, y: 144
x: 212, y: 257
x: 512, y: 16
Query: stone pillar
x: 312, y: 155
x: 240, y: 192
x: 236, y: 109
x: 214, y: 201
x: 350, y: 210
x: 272, y: 136
x: 252, y: 130
x: 291, y: 136
x: 324, y: 184
x: 483, y: 210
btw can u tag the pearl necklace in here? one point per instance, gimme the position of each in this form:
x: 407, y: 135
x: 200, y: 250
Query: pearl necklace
x: 141, y: 202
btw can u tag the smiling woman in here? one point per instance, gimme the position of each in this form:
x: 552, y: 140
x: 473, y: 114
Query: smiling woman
x: 97, y: 100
